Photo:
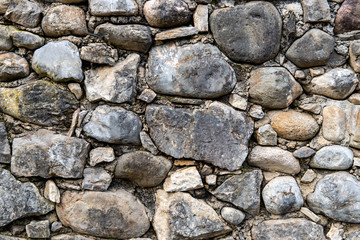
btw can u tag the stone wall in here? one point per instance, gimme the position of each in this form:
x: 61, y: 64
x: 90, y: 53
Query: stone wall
x: 180, y: 119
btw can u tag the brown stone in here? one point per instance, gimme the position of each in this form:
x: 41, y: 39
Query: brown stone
x: 348, y: 17
x: 334, y: 124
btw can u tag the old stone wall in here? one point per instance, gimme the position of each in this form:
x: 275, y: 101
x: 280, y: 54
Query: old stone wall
x: 180, y: 119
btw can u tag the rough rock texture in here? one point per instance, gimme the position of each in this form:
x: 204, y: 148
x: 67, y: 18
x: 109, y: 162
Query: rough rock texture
x: 101, y: 154
x: 99, y: 53
x: 184, y: 179
x: 334, y: 124
x: 114, y: 125
x: 273, y: 87
x: 180, y: 216
x: 19, y: 199
x: 27, y: 40
x: 218, y: 134
x: 12, y: 67
x: 96, y: 179
x: 233, y: 30
x: 232, y: 215
x: 113, y: 7
x: 266, y: 135
x: 174, y: 33
x: 197, y: 70
x: 354, y: 53
x: 46, y: 154
x: 243, y: 191
x: 24, y: 12
x: 5, y: 151
x: 4, y: 4
x: 51, y: 192
x: 38, y: 229
x: 348, y: 17
x: 201, y: 18
x: 337, y: 196
x: 143, y: 168
x: 103, y: 214
x: 5, y: 38
x: 316, y: 10
x: 333, y: 158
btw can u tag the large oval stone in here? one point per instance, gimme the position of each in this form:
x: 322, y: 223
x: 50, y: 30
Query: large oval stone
x: 334, y: 157
x: 197, y: 70
x: 248, y: 33
x: 348, y: 17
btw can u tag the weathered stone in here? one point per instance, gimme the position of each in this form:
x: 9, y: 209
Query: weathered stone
x: 27, y: 40
x: 38, y: 229
x: 309, y: 176
x: 354, y: 52
x: 238, y: 102
x: 147, y: 143
x: 309, y: 214
x: 76, y: 89
x: 19, y: 199
x: 211, y: 179
x: 233, y: 30
x: 39, y: 102
x: 201, y: 18
x: 52, y: 192
x: 129, y: 37
x: 183, y: 179
x: 334, y: 124
x: 64, y: 20
x: 5, y: 38
x: 337, y: 196
x: 96, y: 179
x: 113, y: 7
x: 12, y: 67
x: 316, y: 10
x: 114, y: 125
x: 180, y: 216
x: 4, y: 4
x: 338, y: 84
x: 24, y: 12
x: 243, y: 191
x: 354, y: 98
x: 46, y: 154
x: 232, y: 215
x: 348, y: 17
x: 59, y: 61
x: 101, y: 154
x: 274, y: 159
x: 312, y: 49
x: 5, y: 152
x: 103, y: 214
x: 288, y: 229
x: 147, y: 95
x: 282, y: 195
x: 333, y: 158
x: 113, y: 84
x: 166, y: 13
x: 273, y: 87
x: 196, y: 70
x: 99, y: 53
x: 304, y: 152
x: 294, y: 125
x: 71, y: 237
x: 266, y: 136
x: 218, y: 134
x: 176, y: 33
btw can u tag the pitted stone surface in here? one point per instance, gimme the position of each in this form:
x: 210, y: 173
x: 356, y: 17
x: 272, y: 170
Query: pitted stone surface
x: 24, y: 12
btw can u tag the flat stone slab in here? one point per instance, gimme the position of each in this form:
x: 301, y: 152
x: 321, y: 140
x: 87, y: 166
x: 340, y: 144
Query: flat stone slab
x: 177, y: 33
x: 113, y: 7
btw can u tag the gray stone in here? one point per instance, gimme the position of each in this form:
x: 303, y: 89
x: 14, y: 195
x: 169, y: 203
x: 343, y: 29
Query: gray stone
x: 218, y: 134
x: 198, y: 70
x: 274, y: 159
x: 5, y: 151
x: 334, y: 124
x: 96, y: 179
x: 174, y: 33
x: 183, y: 179
x: 143, y: 168
x: 147, y: 143
x: 129, y: 37
x: 266, y: 136
x: 12, y: 67
x: 167, y: 13
x: 337, y: 196
x: 38, y: 229
x: 56, y: 226
x: 316, y: 11
x: 304, y: 152
x: 354, y: 52
x: 334, y: 157
x: 147, y: 95
x: 101, y: 154
x: 24, y: 12
x: 27, y: 40
x: 19, y: 199
x: 180, y: 216
x: 99, y: 53
x: 51, y: 192
x: 39, y: 102
x: 113, y: 7
x: 201, y: 18
x: 114, y: 125
x: 288, y: 229
x: 114, y: 84
x: 103, y: 214
x: 233, y: 30
x: 4, y: 237
x: 273, y: 87
x: 5, y: 38
x: 256, y: 112
x: 238, y: 102
x: 282, y: 195
x: 4, y: 4
x: 243, y: 191
x: 312, y: 49
x: 338, y: 84
x: 309, y: 176
x: 232, y: 215
x: 71, y: 237
x: 59, y: 61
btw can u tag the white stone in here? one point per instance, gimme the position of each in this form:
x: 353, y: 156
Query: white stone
x: 201, y: 18
x: 101, y: 154
x: 52, y: 192
x: 211, y: 179
x: 184, y: 179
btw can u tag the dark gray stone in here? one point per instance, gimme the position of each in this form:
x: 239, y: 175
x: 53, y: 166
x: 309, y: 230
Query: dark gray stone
x: 24, y: 12
x: 304, y: 152
x: 316, y: 10
x: 217, y: 135
x: 5, y: 38
x: 99, y: 53
x: 27, y: 40
x: 5, y: 151
x: 334, y: 157
x: 113, y: 7
x: 12, y: 67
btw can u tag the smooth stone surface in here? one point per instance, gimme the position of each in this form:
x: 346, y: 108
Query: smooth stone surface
x: 113, y: 7
x: 217, y: 135
x: 354, y: 53
x: 197, y: 70
x: 23, y: 12
x: 180, y: 216
x: 316, y: 11
x: 39, y: 102
x: 274, y: 159
x: 294, y: 125
x: 96, y: 179
x: 46, y: 154
x: 100, y: 155
x: 19, y: 199
x: 312, y: 49
x: 273, y: 87
x: 334, y: 157
x: 113, y: 84
x: 266, y: 136
x: 337, y: 196
x: 201, y: 18
x: 304, y: 152
x: 179, y: 32
x: 51, y: 192
x: 243, y: 191
x: 233, y: 30
x: 5, y: 38
x: 60, y: 61
x: 12, y: 67
x: 5, y: 151
x: 232, y: 215
x: 114, y: 125
x: 348, y: 17
x: 288, y: 229
x: 167, y: 13
x: 338, y: 84
x: 334, y: 124
x: 38, y: 229
x: 282, y: 195
x: 309, y: 176
x: 27, y: 40
x: 103, y: 214
x: 184, y: 179
x: 143, y: 168
x: 129, y: 37
x: 99, y: 53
